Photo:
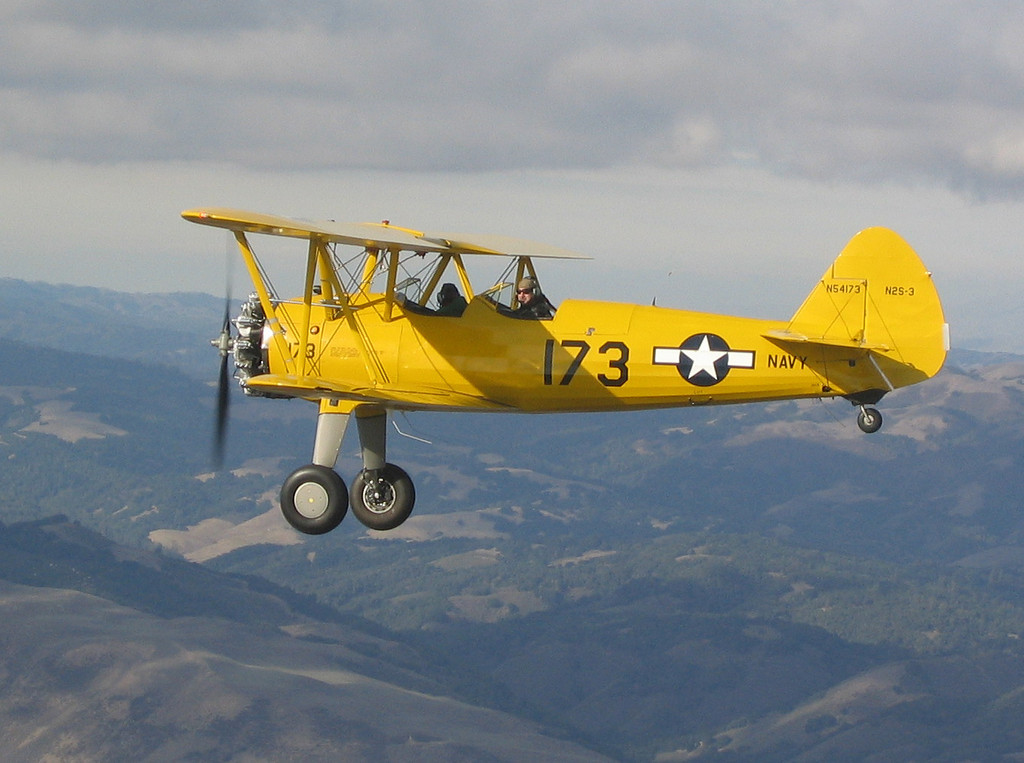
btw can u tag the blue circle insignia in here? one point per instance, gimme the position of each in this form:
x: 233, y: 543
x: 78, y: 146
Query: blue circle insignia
x: 704, y: 359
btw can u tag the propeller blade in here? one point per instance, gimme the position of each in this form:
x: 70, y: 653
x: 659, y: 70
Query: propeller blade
x: 223, y: 404
x: 223, y: 344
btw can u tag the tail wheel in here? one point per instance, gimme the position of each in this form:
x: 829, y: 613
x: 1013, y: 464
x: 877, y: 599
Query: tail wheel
x: 314, y: 499
x: 382, y: 499
x: 869, y: 420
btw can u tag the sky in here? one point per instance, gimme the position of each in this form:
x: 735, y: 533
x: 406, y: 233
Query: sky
x: 714, y: 156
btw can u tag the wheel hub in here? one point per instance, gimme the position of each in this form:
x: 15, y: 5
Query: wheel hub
x: 311, y: 500
x: 379, y: 496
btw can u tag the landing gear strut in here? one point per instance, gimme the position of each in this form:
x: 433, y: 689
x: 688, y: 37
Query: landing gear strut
x: 382, y: 494
x: 314, y: 499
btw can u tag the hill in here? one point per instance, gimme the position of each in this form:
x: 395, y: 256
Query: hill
x: 752, y: 583
x: 167, y: 661
x: 158, y: 329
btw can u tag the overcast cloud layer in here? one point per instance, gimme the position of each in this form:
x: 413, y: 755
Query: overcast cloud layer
x: 910, y: 90
x: 762, y: 135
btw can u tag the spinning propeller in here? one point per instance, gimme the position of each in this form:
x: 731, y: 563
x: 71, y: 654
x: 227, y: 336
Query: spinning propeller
x: 224, y: 344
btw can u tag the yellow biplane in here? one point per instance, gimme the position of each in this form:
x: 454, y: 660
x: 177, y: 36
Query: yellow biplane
x: 362, y: 340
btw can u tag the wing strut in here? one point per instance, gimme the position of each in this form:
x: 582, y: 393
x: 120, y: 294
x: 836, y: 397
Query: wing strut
x: 273, y: 321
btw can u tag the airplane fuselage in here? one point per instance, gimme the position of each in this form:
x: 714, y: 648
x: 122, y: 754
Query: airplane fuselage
x: 592, y: 356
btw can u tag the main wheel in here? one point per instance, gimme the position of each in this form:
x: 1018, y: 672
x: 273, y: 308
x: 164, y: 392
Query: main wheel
x: 382, y: 500
x: 314, y: 499
x: 869, y: 420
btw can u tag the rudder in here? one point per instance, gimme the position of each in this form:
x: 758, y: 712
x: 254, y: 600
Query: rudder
x: 878, y: 297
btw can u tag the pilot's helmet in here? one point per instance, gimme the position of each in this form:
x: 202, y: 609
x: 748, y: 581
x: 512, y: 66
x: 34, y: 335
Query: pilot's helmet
x: 527, y: 284
x: 449, y: 291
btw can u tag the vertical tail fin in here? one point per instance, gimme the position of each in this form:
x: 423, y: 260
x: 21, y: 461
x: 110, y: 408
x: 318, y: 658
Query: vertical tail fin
x: 877, y: 297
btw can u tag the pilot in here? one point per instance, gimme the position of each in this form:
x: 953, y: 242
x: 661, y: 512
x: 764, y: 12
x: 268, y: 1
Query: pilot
x: 449, y: 301
x: 532, y: 303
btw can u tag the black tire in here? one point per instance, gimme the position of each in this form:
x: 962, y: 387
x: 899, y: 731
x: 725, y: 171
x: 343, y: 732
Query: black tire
x: 869, y: 420
x: 384, y: 503
x: 314, y: 499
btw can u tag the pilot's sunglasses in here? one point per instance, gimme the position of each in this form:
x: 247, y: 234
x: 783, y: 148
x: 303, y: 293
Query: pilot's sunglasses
x: 523, y: 291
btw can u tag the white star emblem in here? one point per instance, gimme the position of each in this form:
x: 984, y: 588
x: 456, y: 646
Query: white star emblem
x: 703, y: 359
x: 696, y: 355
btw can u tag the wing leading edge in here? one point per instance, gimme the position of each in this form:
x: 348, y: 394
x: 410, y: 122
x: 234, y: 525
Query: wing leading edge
x: 369, y: 235
x: 376, y: 235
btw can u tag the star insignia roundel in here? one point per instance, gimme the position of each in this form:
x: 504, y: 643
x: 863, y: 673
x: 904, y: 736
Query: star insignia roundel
x: 703, y: 359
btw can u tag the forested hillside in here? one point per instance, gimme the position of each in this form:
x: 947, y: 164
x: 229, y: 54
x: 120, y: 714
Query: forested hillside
x: 750, y: 582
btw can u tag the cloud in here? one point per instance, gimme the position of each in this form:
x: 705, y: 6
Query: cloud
x: 927, y: 92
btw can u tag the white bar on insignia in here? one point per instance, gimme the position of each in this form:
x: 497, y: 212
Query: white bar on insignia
x: 741, y: 359
x: 666, y: 356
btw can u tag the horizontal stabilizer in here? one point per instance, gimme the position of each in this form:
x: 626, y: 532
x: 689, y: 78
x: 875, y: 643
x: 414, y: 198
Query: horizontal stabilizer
x: 790, y: 336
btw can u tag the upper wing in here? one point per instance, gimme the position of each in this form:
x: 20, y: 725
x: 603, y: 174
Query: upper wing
x: 376, y: 235
x: 475, y: 243
x: 369, y: 235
